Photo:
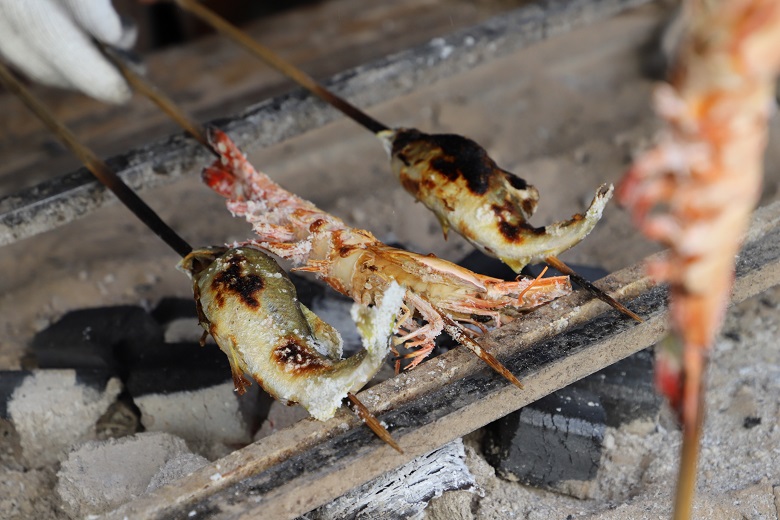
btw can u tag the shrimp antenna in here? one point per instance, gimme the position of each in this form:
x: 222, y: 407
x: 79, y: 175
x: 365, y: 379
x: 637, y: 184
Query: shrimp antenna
x: 97, y: 166
x: 351, y: 111
x: 372, y: 422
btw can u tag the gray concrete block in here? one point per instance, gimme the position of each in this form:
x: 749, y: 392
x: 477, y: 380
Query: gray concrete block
x: 100, y: 476
x: 213, y: 420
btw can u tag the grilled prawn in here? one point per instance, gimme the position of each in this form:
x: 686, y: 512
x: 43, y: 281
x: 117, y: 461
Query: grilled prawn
x: 249, y: 305
x: 696, y: 190
x: 352, y: 261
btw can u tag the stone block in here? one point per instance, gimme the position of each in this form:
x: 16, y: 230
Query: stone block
x: 52, y: 410
x: 550, y: 442
x: 102, y: 475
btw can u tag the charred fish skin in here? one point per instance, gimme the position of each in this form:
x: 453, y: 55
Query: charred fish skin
x: 453, y: 175
x: 249, y: 305
x: 455, y: 178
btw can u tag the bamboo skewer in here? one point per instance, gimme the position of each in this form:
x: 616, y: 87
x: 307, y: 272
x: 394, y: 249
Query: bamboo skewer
x: 306, y: 81
x: 97, y: 166
x: 557, y: 263
x: 156, y: 96
x: 277, y: 62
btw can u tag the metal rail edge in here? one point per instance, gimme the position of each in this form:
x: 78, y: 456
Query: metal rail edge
x: 56, y: 202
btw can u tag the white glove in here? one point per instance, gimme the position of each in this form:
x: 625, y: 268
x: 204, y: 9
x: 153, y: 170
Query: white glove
x: 50, y: 41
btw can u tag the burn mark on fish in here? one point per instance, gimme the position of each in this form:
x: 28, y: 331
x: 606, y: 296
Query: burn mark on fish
x: 528, y: 205
x: 296, y: 358
x: 512, y: 228
x: 410, y: 185
x: 515, y: 181
x: 234, y: 279
x: 451, y: 155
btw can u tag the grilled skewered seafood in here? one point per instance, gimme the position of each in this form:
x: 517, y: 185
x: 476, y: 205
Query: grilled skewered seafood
x: 703, y: 181
x: 249, y: 305
x: 356, y: 264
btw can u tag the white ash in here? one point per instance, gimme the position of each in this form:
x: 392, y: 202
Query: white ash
x: 405, y: 492
x: 27, y: 494
x: 51, y: 411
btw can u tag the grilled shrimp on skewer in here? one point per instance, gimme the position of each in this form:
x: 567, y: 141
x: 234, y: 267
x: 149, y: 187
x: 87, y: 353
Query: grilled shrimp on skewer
x: 705, y: 179
x: 355, y: 263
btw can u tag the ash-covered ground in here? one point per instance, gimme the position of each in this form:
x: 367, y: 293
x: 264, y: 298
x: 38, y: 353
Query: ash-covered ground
x: 566, y: 115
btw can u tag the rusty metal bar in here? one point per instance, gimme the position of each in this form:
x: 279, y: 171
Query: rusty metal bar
x: 311, y: 463
x: 76, y: 194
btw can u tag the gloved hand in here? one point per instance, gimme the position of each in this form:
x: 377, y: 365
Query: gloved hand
x: 50, y: 41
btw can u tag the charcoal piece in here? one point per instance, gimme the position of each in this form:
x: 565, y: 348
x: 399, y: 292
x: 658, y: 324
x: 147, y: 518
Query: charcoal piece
x: 170, y: 379
x: 109, y: 338
x: 53, y: 410
x: 101, y: 475
x: 309, y: 290
x: 405, y: 491
x: 209, y: 418
x: 483, y: 264
x: 10, y: 380
x: 170, y: 309
x: 626, y: 389
x: 556, y: 439
x: 178, y: 367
